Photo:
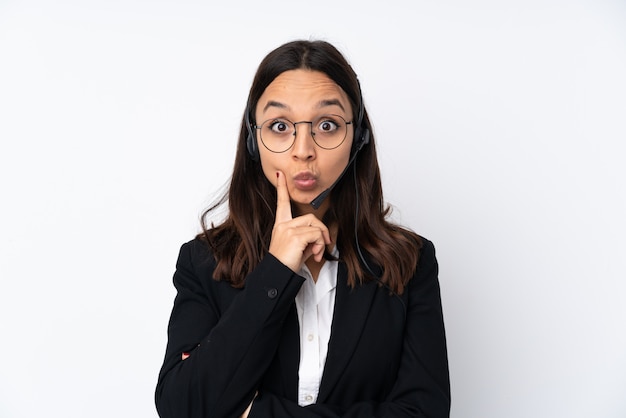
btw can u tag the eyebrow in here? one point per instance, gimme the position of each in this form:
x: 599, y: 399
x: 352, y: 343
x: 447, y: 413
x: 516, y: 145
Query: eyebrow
x: 321, y: 104
x: 273, y: 103
x: 330, y: 102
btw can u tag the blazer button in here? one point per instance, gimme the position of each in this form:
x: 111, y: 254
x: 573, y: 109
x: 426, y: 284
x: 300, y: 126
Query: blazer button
x: 272, y: 293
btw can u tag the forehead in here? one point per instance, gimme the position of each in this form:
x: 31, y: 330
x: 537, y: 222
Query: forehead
x: 303, y: 90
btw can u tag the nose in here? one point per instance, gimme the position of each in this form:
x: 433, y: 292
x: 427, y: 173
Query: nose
x: 304, y: 146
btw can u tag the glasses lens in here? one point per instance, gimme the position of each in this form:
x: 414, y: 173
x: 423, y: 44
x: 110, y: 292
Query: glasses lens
x: 277, y: 134
x: 328, y: 131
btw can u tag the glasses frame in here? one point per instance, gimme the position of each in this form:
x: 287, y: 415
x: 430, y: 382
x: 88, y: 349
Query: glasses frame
x: 295, y: 131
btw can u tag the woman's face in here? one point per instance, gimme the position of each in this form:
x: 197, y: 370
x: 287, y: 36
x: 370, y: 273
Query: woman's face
x: 304, y: 95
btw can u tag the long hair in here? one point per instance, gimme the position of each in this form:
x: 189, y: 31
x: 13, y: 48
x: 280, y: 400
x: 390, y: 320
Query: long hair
x: 242, y: 240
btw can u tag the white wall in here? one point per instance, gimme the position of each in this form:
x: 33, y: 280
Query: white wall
x: 501, y: 129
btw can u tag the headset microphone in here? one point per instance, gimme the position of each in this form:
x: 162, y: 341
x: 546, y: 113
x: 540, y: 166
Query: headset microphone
x: 317, y: 202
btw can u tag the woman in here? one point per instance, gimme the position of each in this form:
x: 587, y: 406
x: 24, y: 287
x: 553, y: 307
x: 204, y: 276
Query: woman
x: 305, y: 301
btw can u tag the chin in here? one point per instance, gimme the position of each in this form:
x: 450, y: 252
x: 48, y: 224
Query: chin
x: 303, y: 199
x: 303, y: 203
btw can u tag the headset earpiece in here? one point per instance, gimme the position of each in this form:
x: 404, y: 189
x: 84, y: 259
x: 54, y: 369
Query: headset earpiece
x: 361, y: 138
x: 361, y: 134
x: 251, y: 143
x: 365, y: 138
x: 252, y: 147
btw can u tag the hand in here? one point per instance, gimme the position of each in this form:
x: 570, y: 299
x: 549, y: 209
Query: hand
x: 295, y: 240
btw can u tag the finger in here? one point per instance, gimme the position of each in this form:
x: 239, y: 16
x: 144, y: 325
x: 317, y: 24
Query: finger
x: 318, y: 251
x: 315, y: 247
x: 283, y: 202
x: 312, y: 221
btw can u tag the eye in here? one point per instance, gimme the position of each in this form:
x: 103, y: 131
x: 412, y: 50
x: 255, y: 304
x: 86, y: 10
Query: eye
x: 279, y: 126
x: 327, y: 125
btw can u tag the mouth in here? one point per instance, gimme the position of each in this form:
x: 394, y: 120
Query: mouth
x: 305, y: 181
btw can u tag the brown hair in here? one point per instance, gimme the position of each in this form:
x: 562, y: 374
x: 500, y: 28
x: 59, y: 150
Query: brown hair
x: 242, y: 240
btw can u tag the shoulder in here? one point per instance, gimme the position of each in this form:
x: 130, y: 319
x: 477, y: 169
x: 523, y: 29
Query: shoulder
x: 196, y: 248
x: 195, y: 252
x: 427, y: 268
x: 427, y: 251
x: 198, y: 260
x: 422, y: 247
x: 195, y: 261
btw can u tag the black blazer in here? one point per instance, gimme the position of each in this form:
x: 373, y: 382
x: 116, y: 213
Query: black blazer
x: 386, y: 356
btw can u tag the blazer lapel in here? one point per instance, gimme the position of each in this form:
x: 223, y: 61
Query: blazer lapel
x: 351, y: 309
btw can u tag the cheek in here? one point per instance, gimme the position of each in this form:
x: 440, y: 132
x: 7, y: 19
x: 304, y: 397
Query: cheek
x: 269, y: 167
x: 335, y: 163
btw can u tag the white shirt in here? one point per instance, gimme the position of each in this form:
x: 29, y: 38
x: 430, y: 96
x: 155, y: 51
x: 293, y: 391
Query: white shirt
x: 315, y: 303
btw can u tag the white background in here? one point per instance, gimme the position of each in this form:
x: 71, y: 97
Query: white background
x: 501, y: 129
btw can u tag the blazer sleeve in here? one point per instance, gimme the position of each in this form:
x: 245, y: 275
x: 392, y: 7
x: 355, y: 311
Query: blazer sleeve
x: 422, y: 386
x: 230, y: 350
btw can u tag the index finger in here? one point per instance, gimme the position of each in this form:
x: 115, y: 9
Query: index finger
x: 283, y: 202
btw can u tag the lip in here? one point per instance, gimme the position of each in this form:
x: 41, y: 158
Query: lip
x: 305, y: 180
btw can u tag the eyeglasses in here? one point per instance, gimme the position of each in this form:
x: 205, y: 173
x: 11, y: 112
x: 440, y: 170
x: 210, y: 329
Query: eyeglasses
x: 279, y: 134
